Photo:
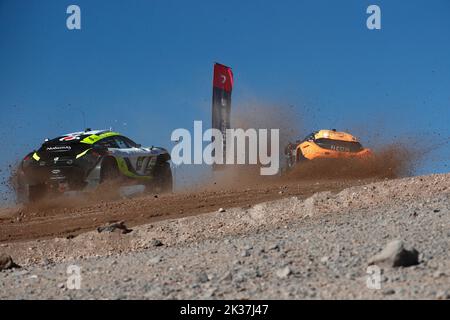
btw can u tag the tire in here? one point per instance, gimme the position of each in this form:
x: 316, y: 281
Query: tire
x: 36, y: 193
x: 300, y: 157
x: 163, y: 178
x: 110, y: 171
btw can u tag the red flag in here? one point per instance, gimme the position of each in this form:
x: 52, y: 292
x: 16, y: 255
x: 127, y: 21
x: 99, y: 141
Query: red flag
x: 221, y: 104
x: 223, y: 77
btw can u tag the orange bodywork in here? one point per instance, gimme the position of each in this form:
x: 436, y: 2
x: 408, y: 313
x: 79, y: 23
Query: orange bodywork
x: 310, y: 149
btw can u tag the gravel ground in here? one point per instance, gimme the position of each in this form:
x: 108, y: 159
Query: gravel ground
x: 316, y: 248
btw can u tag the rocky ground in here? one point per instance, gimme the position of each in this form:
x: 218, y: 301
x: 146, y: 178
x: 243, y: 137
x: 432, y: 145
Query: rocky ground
x: 291, y: 248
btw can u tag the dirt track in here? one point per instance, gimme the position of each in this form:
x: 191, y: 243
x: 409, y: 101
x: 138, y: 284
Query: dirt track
x: 71, y: 217
x: 290, y: 248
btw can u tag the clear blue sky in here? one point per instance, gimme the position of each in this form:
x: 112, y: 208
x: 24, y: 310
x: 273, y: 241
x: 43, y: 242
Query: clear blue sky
x: 144, y: 67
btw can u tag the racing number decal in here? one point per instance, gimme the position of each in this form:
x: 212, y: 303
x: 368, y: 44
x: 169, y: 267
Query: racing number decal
x: 139, y: 162
x: 150, y: 164
x: 144, y: 165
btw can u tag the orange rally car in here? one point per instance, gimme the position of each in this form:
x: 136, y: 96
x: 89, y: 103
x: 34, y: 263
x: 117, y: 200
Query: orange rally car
x: 325, y: 144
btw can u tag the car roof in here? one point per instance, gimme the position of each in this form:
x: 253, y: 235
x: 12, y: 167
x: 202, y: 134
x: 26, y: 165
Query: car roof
x: 88, y: 132
x: 335, y: 135
x: 87, y: 137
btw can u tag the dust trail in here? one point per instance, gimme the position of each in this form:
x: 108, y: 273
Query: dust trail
x: 397, y: 158
x: 394, y: 159
x: 390, y: 161
x: 285, y: 118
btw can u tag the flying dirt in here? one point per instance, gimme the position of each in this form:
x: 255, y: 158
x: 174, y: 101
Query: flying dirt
x: 238, y: 185
x: 246, y: 228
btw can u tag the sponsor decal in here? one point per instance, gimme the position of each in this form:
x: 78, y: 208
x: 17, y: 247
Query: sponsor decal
x: 339, y: 148
x: 59, y: 148
x: 139, y: 162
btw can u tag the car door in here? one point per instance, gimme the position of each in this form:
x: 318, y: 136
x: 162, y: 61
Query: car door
x: 138, y: 159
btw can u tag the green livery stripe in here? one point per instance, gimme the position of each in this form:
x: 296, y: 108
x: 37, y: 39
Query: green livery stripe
x: 93, y: 138
x: 82, y: 154
x: 124, y: 170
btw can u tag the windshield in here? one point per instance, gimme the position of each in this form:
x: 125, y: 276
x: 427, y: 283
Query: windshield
x: 62, y: 147
x: 338, y: 145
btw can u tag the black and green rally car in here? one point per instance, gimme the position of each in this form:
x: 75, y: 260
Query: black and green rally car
x: 82, y: 160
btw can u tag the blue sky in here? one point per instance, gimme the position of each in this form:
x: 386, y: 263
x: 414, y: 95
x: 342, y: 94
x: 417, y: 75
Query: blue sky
x: 145, y: 67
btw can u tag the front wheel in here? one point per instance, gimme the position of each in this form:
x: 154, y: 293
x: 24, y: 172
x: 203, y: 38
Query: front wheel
x: 162, y: 180
x: 110, y: 171
x: 300, y: 157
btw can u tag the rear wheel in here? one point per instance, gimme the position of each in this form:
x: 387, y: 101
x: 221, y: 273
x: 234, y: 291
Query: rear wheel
x: 36, y: 192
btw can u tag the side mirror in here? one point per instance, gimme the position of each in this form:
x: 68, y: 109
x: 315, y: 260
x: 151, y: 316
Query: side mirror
x: 138, y: 145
